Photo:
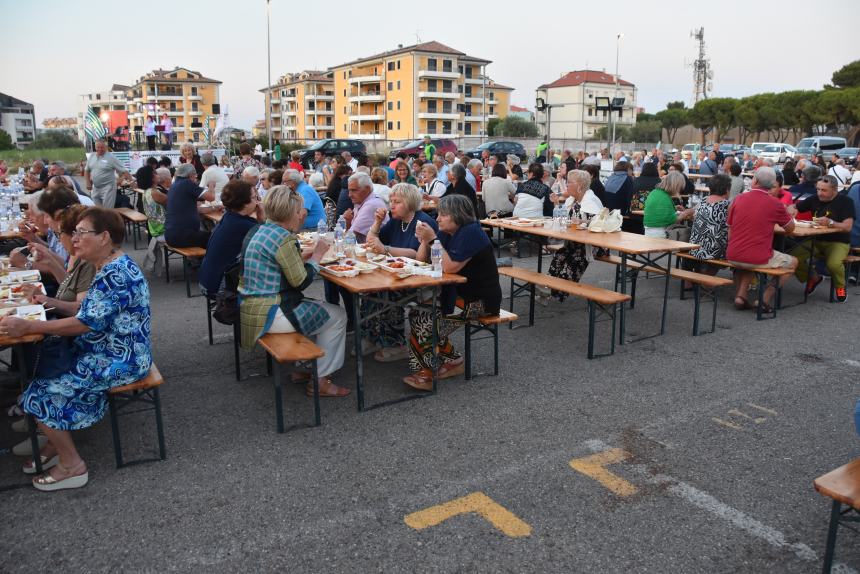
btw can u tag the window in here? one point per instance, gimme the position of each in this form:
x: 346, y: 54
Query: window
x: 98, y: 96
x: 446, y: 107
x: 344, y: 128
x: 344, y: 77
x: 398, y: 123
x: 328, y: 134
x: 172, y: 106
x: 468, y: 91
x: 344, y: 93
x: 492, y: 96
x: 398, y: 104
x: 468, y: 130
x: 460, y: 68
x: 431, y: 106
x: 193, y: 90
x: 344, y: 109
x: 193, y: 106
x: 469, y: 71
x: 468, y: 109
x: 391, y: 125
x: 431, y: 85
x: 390, y: 66
x: 328, y: 121
x: 197, y: 136
x: 398, y: 67
x: 446, y: 127
x: 491, y: 110
x: 446, y: 86
x: 328, y: 106
x: 390, y: 106
x: 446, y: 65
x: 431, y: 126
x: 431, y: 64
x: 398, y: 84
x: 590, y: 112
x: 311, y: 105
x: 390, y: 86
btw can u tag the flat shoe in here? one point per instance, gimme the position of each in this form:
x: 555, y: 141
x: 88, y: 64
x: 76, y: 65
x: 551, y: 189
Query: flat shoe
x: 422, y: 380
x: 30, y: 468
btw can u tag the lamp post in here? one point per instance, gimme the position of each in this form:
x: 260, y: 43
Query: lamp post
x: 268, y: 76
x: 617, y: 53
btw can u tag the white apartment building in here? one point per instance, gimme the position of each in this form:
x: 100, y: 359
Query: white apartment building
x: 17, y: 119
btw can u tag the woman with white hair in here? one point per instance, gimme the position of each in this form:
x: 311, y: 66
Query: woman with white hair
x: 188, y: 154
x: 660, y: 207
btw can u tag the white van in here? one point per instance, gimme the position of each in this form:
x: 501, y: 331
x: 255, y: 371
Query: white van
x: 820, y: 144
x: 758, y: 147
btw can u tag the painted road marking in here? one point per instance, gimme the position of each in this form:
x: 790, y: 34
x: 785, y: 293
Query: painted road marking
x: 594, y: 466
x: 763, y: 409
x: 478, y: 502
x: 727, y: 424
x: 739, y: 414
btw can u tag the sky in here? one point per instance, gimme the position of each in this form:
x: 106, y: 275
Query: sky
x: 55, y: 55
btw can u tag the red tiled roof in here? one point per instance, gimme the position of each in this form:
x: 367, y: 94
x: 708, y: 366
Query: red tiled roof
x: 578, y: 77
x: 518, y: 109
x: 436, y: 47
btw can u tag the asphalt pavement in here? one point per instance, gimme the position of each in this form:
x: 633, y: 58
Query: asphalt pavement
x: 676, y: 454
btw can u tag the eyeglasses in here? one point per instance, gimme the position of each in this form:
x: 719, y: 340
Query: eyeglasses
x: 78, y: 233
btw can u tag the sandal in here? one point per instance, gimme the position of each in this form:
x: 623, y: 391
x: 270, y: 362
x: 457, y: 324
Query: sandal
x: 744, y: 305
x: 30, y: 468
x: 46, y: 482
x: 329, y: 389
x: 422, y: 380
x: 765, y: 308
x: 451, y: 369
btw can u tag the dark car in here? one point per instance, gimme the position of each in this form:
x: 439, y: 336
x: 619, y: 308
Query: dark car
x: 499, y: 149
x: 849, y: 154
x: 416, y: 148
x: 331, y: 148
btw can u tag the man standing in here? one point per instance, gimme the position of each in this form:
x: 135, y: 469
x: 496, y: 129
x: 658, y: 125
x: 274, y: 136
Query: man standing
x: 429, y: 149
x: 829, y: 209
x: 101, y: 171
x: 540, y: 152
x: 708, y: 166
x: 751, y: 219
x: 213, y: 172
x: 349, y: 160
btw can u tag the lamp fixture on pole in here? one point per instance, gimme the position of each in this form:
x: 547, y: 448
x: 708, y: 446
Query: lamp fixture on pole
x: 617, y: 54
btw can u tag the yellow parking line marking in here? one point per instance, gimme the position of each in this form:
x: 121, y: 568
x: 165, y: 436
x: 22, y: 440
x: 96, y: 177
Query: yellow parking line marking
x: 478, y: 502
x: 593, y: 466
x: 763, y: 409
x: 726, y: 423
x: 738, y: 413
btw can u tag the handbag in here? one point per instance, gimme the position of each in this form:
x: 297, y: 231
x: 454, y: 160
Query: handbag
x: 679, y: 232
x: 606, y: 221
x: 56, y: 357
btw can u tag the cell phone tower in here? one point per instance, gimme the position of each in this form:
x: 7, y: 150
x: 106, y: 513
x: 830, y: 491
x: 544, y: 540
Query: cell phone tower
x: 702, y: 73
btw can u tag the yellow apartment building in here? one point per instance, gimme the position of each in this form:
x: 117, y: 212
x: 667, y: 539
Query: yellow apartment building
x: 188, y: 98
x: 301, y: 106
x: 424, y: 89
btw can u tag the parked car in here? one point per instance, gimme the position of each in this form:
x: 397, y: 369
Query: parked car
x: 331, y: 148
x: 758, y: 147
x: 499, y: 149
x: 727, y: 149
x: 820, y: 144
x: 778, y: 153
x: 692, y: 149
x: 416, y: 148
x: 849, y: 154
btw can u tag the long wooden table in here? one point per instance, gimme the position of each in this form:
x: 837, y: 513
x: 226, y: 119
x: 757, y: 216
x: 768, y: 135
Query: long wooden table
x: 376, y: 287
x: 630, y: 246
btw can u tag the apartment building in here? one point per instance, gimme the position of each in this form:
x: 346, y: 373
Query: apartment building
x: 424, y: 89
x: 301, y: 106
x: 189, y: 99
x: 572, y: 111
x: 18, y: 119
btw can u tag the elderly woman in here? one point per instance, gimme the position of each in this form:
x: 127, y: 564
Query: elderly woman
x: 245, y: 159
x: 77, y: 276
x: 571, y: 261
x: 275, y: 274
x: 402, y: 175
x: 457, y: 185
x: 466, y: 250
x: 296, y: 161
x: 432, y: 188
x: 395, y: 237
x: 188, y: 154
x: 559, y: 186
x: 498, y: 192
x: 660, y: 207
x: 242, y: 213
x: 709, y: 231
x: 533, y: 197
x: 111, y: 348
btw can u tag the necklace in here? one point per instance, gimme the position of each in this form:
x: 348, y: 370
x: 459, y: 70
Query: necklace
x: 404, y: 227
x: 106, y: 260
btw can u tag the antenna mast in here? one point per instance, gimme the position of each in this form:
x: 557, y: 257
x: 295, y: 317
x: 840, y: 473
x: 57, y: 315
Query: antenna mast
x: 702, y: 73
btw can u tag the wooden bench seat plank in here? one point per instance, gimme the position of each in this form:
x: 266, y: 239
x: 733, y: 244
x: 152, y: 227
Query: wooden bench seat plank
x: 153, y: 379
x: 504, y: 316
x: 842, y: 484
x: 851, y: 259
x: 131, y: 214
x: 290, y: 347
x: 596, y: 294
x: 776, y: 271
x: 192, y: 252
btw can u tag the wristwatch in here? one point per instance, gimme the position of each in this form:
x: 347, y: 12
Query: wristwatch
x: 29, y: 265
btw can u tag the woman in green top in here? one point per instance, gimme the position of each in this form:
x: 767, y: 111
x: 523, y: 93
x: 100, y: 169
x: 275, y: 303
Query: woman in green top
x: 402, y: 175
x: 660, y: 211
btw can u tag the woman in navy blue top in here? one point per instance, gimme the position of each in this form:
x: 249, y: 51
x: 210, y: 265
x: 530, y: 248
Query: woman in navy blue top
x: 397, y: 238
x: 243, y: 213
x: 466, y: 250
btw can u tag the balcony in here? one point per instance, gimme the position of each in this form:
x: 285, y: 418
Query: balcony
x: 368, y: 136
x: 285, y: 99
x: 365, y: 79
x: 273, y: 114
x: 440, y: 95
x: 289, y: 114
x: 438, y: 74
x: 320, y: 112
x: 320, y: 97
x: 366, y: 98
x: 438, y: 116
x: 166, y: 97
x: 367, y: 118
x: 444, y: 135
x: 137, y: 100
x: 480, y: 118
x: 174, y: 113
x: 478, y: 81
x: 318, y: 127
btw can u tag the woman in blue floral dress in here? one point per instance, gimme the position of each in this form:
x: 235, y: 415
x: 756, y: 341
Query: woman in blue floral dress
x: 111, y: 348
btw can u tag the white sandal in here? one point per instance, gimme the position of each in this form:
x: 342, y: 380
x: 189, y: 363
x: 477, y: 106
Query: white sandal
x: 30, y: 468
x: 47, y: 483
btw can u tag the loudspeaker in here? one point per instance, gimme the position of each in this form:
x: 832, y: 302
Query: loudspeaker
x: 138, y: 128
x: 196, y: 124
x: 216, y: 109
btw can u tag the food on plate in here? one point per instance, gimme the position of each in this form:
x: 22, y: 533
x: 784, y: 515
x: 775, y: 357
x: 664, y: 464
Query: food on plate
x: 397, y: 265
x: 341, y: 268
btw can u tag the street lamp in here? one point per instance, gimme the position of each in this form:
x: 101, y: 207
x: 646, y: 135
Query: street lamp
x: 617, y: 53
x: 268, y: 76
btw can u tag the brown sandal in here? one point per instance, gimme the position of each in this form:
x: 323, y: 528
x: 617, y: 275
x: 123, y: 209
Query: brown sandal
x: 329, y: 389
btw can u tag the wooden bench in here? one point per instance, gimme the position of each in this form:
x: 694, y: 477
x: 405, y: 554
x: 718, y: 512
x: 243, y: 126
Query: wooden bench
x: 289, y: 349
x: 143, y: 391
x: 134, y: 220
x: 703, y: 286
x: 847, y: 262
x: 843, y: 487
x: 598, y: 299
x: 187, y: 253
x: 489, y: 324
x: 762, y: 273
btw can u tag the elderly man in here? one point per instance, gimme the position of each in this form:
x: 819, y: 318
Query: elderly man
x: 708, y: 166
x: 364, y: 205
x: 182, y: 224
x: 833, y: 210
x: 101, y: 175
x: 429, y: 149
x: 840, y: 172
x: 37, y: 177
x: 485, y: 156
x: 349, y: 160
x: 806, y: 187
x: 747, y: 161
x: 68, y: 181
x: 442, y: 172
x: 313, y: 207
x: 213, y: 172
x: 751, y: 220
x: 473, y: 174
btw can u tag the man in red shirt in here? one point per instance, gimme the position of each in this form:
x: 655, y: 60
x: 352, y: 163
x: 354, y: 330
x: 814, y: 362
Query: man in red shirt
x: 751, y: 221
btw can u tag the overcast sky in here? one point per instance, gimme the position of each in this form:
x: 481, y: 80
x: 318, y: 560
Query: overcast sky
x: 53, y: 50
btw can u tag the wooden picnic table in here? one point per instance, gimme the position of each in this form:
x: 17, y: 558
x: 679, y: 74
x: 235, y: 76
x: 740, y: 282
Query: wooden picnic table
x: 215, y: 216
x: 630, y: 246
x: 17, y: 345
x: 376, y: 287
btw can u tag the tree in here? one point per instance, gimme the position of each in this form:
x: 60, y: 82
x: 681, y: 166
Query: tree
x: 515, y: 126
x: 5, y: 140
x: 716, y: 114
x: 675, y: 106
x: 56, y: 139
x: 646, y: 131
x: 492, y: 125
x: 848, y: 76
x: 672, y: 119
x: 622, y: 133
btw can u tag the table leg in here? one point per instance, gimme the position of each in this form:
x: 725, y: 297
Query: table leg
x: 666, y: 292
x: 434, y: 338
x: 623, y: 284
x: 31, y: 422
x: 810, y: 264
x: 359, y: 363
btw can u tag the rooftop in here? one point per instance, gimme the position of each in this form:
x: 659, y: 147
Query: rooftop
x: 7, y: 101
x: 160, y: 74
x: 579, y: 77
x: 435, y: 47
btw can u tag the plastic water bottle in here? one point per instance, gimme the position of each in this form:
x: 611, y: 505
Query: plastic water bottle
x: 436, y: 258
x: 322, y: 228
x: 349, y: 244
x: 557, y: 215
x: 338, y: 236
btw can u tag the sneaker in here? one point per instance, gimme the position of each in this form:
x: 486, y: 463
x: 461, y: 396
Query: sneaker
x: 852, y: 279
x: 812, y: 284
x: 841, y: 295
x: 21, y: 425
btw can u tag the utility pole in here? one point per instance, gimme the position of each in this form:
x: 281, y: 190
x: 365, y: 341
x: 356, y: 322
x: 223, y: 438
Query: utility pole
x: 702, y: 73
x: 268, y: 76
x: 617, y: 53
